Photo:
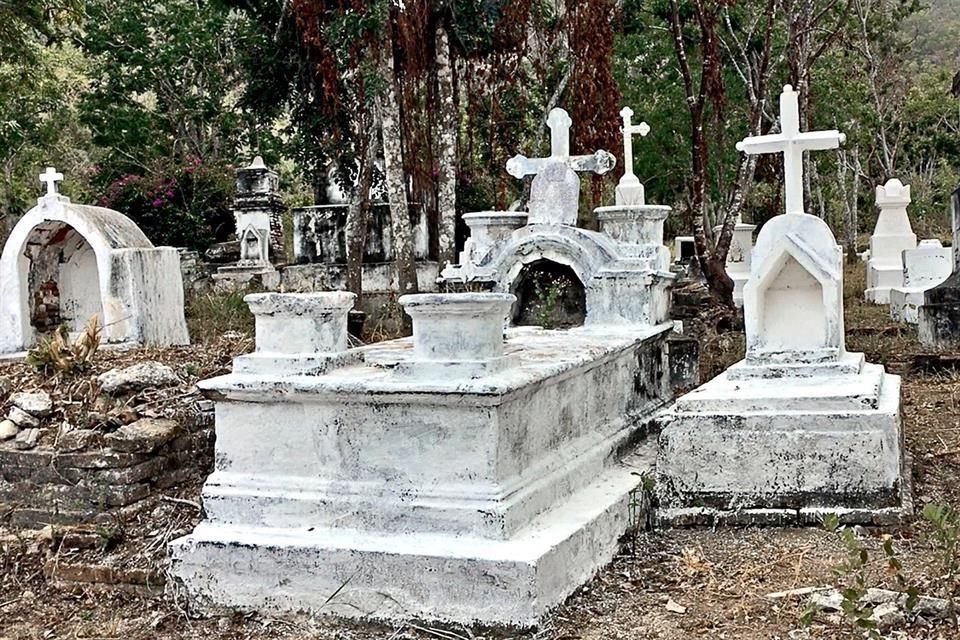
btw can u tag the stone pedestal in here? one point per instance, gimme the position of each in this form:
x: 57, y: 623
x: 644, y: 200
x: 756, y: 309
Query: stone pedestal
x: 891, y: 237
x: 939, y: 318
x: 739, y: 258
x: 488, y: 229
x: 382, y: 490
x: 923, y: 268
x: 800, y: 428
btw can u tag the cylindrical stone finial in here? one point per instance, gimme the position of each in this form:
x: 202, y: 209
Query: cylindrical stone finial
x: 298, y: 323
x: 457, y: 327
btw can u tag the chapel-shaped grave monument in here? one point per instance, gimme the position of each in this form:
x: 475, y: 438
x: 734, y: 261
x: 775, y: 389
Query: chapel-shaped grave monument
x: 800, y: 428
x: 470, y: 473
x: 65, y: 263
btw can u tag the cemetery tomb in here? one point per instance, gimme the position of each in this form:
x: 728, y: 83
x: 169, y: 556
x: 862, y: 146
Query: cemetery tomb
x: 739, y: 257
x: 470, y: 473
x: 257, y: 211
x: 924, y: 267
x: 623, y: 268
x: 938, y: 319
x: 800, y: 428
x: 684, y: 249
x: 65, y: 263
x: 465, y: 474
x: 891, y: 237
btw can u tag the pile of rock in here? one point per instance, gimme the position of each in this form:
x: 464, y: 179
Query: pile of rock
x: 25, y: 417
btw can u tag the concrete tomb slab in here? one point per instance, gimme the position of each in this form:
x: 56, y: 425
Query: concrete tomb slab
x: 465, y: 475
x: 64, y: 263
x: 939, y: 317
x: 799, y: 428
x: 891, y: 237
x: 923, y: 268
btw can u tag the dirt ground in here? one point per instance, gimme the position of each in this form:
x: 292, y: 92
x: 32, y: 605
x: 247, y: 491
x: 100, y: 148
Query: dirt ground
x: 665, y: 585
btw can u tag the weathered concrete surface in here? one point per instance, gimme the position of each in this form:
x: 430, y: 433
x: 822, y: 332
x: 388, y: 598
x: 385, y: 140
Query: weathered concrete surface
x: 487, y: 499
x: 891, y: 237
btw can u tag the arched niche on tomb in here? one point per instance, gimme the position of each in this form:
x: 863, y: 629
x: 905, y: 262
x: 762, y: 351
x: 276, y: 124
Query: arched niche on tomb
x: 794, y: 299
x: 579, y: 254
x: 550, y: 295
x: 64, y: 263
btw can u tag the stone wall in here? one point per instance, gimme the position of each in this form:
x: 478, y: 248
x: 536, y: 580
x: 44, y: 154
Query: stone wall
x: 87, y: 476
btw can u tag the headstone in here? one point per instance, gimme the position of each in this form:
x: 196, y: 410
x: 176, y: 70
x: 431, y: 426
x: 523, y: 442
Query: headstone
x: 924, y: 267
x: 684, y: 249
x: 939, y: 317
x: 799, y: 428
x: 555, y: 192
x: 891, y: 237
x: 65, y: 263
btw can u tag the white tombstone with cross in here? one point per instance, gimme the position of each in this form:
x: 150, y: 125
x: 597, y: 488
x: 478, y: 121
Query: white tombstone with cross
x: 50, y: 177
x: 555, y: 192
x: 803, y: 427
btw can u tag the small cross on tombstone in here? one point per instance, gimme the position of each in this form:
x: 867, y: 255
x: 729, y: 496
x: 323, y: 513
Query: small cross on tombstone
x: 630, y: 190
x: 51, y: 177
x: 791, y: 142
x: 555, y: 192
x: 559, y: 122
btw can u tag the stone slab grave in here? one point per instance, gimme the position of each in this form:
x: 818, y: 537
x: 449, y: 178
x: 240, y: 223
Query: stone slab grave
x: 257, y: 212
x: 924, y: 267
x: 891, y: 237
x: 467, y: 474
x: 739, y: 257
x: 623, y: 268
x: 938, y: 319
x: 462, y: 475
x: 65, y: 263
x: 801, y: 427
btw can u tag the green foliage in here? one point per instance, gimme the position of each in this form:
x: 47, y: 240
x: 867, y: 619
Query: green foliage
x: 187, y: 206
x: 210, y: 315
x: 945, y: 522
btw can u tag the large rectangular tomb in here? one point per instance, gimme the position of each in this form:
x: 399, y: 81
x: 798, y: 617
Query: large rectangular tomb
x: 458, y: 476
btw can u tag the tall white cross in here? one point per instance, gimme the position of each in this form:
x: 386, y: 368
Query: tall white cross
x: 630, y: 191
x: 792, y: 143
x: 559, y: 122
x: 51, y: 177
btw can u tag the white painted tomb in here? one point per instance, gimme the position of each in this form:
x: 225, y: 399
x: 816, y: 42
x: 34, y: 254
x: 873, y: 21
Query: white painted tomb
x: 684, y: 249
x: 623, y: 267
x: 924, y: 267
x: 256, y: 210
x: 800, y: 427
x: 467, y: 474
x: 891, y: 237
x: 739, y: 257
x: 65, y: 263
x: 938, y: 318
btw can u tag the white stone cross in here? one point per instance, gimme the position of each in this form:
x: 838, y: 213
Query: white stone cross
x: 630, y: 191
x: 792, y: 143
x: 559, y: 122
x: 50, y: 178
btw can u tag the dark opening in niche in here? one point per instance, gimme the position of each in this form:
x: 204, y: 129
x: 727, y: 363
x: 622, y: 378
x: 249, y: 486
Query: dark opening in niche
x: 549, y: 295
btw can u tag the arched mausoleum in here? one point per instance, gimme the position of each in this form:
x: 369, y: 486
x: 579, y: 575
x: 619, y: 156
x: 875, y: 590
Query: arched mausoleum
x: 64, y: 263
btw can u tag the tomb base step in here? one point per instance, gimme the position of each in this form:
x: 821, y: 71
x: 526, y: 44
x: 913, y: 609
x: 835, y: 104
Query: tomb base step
x: 880, y: 279
x: 392, y: 577
x: 905, y: 303
x: 814, y: 453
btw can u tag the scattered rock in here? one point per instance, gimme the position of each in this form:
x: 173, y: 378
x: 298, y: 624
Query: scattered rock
x: 673, y: 607
x: 21, y: 418
x: 37, y: 404
x: 143, y: 436
x: 27, y: 439
x: 8, y: 429
x: 137, y: 377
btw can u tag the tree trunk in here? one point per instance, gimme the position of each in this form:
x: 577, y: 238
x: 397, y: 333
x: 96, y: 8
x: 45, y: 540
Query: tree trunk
x: 389, y: 112
x: 448, y: 124
x: 357, y: 214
